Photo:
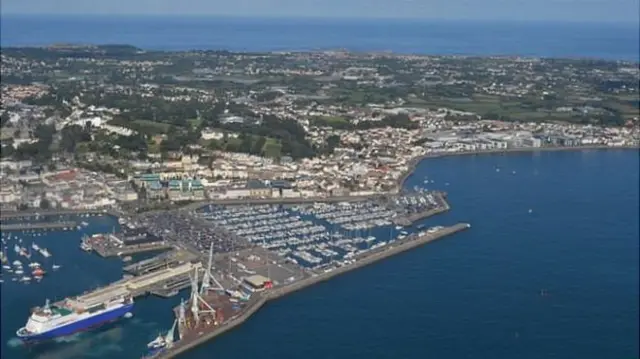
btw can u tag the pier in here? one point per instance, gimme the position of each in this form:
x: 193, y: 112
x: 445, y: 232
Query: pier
x: 410, y: 242
x: 110, y: 251
x: 163, y: 281
x: 164, y: 260
x: 32, y: 214
x: 31, y: 226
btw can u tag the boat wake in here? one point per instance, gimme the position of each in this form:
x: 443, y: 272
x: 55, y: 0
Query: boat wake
x: 69, y: 339
x: 14, y: 343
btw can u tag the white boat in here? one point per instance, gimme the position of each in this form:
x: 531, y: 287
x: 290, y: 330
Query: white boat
x: 55, y: 266
x: 17, y: 263
x: 16, y: 248
x: 34, y: 265
x: 45, y: 253
x: 35, y: 246
x: 6, y: 266
x: 161, y: 342
x: 25, y: 279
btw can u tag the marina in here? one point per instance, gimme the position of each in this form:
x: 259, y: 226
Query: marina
x: 318, y: 234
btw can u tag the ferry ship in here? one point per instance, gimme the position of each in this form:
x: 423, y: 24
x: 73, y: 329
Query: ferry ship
x: 75, y: 315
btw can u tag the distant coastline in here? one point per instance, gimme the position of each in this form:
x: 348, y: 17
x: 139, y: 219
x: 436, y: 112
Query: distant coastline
x: 572, y: 40
x: 413, y: 164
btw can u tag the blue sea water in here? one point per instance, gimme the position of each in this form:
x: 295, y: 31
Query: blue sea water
x: 559, y: 282
x: 537, y: 39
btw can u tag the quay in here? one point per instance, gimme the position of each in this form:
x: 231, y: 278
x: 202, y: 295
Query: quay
x: 160, y: 280
x: 408, y: 243
x: 32, y: 214
x: 29, y: 226
x: 164, y: 260
x: 111, y: 251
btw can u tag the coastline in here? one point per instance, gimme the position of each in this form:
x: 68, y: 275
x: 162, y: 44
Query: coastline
x: 413, y: 163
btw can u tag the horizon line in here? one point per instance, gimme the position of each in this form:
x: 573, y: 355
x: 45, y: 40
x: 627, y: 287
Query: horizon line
x: 325, y: 18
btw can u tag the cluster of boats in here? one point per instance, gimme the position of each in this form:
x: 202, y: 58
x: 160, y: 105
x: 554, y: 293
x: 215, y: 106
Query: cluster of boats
x: 297, y: 233
x: 351, y: 216
x: 35, y: 270
x: 417, y: 201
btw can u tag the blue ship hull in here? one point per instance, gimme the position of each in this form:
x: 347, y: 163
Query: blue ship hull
x: 81, y: 325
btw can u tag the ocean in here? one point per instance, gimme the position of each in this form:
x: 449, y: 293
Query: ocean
x: 549, y: 269
x: 534, y: 39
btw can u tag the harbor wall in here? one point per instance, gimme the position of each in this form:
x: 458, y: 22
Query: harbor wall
x: 56, y: 212
x: 384, y: 252
x: 37, y: 225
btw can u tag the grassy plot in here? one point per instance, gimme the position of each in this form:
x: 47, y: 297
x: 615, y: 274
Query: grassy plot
x: 331, y: 121
x: 272, y: 148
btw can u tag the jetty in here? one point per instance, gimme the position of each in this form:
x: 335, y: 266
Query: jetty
x: 145, y: 284
x: 32, y: 226
x: 111, y: 251
x: 260, y: 299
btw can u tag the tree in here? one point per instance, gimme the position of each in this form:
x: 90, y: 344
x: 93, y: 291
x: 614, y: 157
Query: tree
x: 44, y: 203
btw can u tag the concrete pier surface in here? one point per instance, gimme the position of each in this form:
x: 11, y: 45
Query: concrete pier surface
x: 108, y: 251
x: 410, y: 242
x: 32, y: 213
x: 144, y: 284
x: 68, y: 225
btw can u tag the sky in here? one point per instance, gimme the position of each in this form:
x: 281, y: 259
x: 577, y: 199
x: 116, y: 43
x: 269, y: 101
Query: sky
x: 514, y: 10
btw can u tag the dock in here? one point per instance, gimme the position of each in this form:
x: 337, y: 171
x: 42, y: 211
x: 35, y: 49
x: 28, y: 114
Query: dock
x: 34, y: 214
x: 110, y: 251
x: 164, y: 260
x: 164, y: 282
x: 410, y: 242
x: 31, y: 226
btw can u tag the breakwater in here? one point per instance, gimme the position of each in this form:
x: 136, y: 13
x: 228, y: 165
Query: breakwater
x: 106, y: 251
x: 413, y: 163
x: 33, y: 213
x: 406, y: 244
x: 66, y: 225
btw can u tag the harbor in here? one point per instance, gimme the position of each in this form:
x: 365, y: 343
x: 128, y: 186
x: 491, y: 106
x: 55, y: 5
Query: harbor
x: 235, y: 258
